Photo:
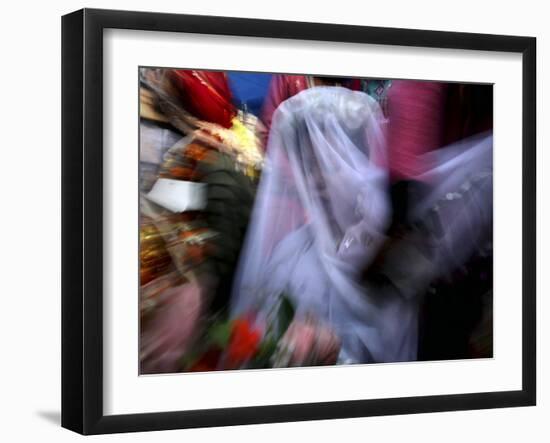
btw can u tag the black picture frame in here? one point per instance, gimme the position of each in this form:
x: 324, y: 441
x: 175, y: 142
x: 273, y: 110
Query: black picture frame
x: 82, y: 220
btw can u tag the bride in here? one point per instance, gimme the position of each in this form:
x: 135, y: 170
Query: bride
x: 320, y: 218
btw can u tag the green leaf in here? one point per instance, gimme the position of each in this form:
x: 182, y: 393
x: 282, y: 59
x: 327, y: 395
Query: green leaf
x: 267, y: 349
x: 285, y: 315
x: 219, y: 334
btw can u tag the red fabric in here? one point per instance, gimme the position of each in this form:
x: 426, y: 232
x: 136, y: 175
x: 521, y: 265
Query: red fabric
x: 205, y: 94
x: 416, y: 112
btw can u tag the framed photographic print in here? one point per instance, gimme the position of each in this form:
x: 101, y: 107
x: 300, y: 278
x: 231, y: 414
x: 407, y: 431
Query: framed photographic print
x: 271, y: 221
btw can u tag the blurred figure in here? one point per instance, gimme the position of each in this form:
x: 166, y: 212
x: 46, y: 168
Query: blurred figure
x: 195, y: 209
x: 441, y: 255
x: 424, y: 117
x: 321, y: 213
x: 322, y: 216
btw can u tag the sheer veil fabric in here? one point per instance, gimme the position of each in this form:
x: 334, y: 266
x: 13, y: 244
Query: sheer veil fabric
x: 320, y: 218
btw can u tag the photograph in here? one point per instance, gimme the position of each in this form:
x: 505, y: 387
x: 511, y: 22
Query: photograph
x: 296, y: 220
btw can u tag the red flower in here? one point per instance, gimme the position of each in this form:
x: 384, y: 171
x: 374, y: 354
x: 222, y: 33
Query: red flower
x: 243, y: 343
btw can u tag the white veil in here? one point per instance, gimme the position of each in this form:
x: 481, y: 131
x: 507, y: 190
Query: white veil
x: 321, y: 212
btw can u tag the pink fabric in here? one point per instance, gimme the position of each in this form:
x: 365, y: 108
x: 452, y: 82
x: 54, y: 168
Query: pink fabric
x: 416, y: 125
x: 171, y: 332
